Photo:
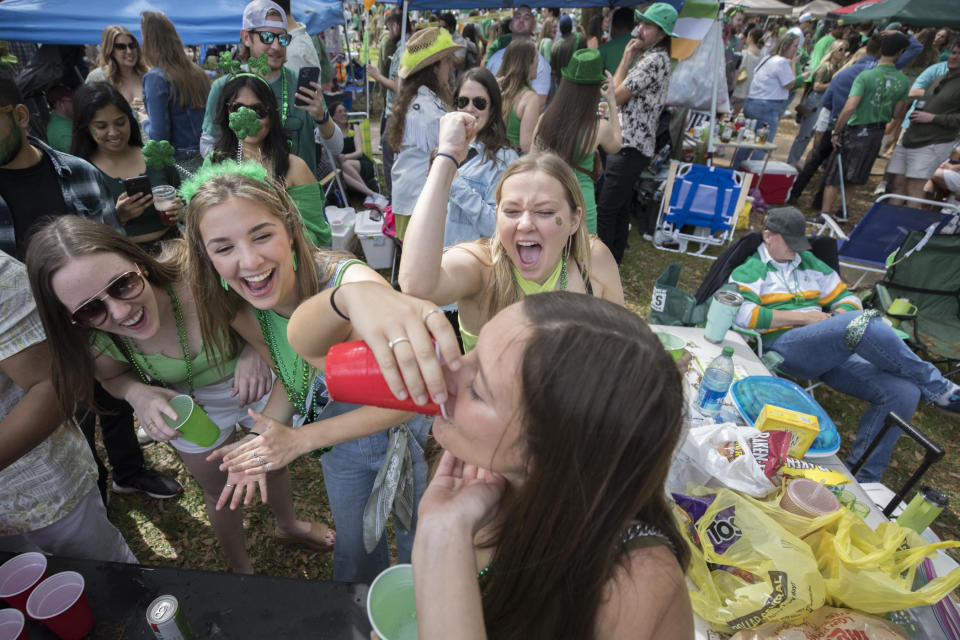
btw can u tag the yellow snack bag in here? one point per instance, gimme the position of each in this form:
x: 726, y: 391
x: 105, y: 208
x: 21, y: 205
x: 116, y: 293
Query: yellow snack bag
x: 803, y: 427
x: 802, y: 469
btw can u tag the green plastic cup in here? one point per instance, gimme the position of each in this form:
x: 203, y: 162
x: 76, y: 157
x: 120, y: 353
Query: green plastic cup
x: 672, y: 343
x: 193, y: 422
x: 391, y: 605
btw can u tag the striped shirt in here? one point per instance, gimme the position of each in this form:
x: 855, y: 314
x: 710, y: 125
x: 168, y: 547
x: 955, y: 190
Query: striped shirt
x: 805, y: 283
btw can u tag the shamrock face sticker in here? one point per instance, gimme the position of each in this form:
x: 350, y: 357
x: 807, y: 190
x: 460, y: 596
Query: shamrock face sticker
x: 158, y: 154
x: 244, y: 123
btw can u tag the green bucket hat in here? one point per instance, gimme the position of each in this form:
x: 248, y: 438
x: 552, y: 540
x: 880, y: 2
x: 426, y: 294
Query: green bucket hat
x: 585, y: 67
x: 663, y: 15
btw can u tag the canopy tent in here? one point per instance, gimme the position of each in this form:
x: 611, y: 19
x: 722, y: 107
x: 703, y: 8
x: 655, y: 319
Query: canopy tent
x: 916, y: 13
x: 761, y: 7
x: 850, y: 8
x: 817, y: 8
x: 207, y: 22
x: 451, y: 5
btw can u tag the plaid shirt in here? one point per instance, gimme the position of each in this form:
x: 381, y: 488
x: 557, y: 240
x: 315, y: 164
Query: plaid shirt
x: 83, y: 192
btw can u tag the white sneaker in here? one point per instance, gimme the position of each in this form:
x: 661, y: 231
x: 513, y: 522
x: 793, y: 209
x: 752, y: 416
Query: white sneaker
x: 376, y: 201
x: 881, y: 188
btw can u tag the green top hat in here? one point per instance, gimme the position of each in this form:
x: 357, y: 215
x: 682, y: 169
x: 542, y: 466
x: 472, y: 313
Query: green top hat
x: 585, y: 67
x: 663, y: 15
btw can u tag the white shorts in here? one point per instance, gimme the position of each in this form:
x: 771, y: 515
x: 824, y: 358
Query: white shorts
x: 952, y: 180
x: 919, y: 163
x: 823, y: 121
x: 219, y: 403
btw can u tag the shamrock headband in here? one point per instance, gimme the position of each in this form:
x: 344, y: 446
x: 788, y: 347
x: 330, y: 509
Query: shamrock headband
x: 232, y: 68
x: 209, y: 171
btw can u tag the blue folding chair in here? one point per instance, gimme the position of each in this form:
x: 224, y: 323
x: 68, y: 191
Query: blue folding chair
x: 701, y: 206
x: 882, y: 231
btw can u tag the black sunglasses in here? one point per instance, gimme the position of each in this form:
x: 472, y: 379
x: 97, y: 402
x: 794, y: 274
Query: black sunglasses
x: 119, y: 46
x: 93, y: 312
x: 479, y: 103
x: 267, y: 37
x: 259, y: 108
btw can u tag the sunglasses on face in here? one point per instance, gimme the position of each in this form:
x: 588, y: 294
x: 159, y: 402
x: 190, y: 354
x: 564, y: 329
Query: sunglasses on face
x: 267, y: 37
x: 480, y: 104
x: 119, y: 46
x: 259, y: 108
x: 93, y: 312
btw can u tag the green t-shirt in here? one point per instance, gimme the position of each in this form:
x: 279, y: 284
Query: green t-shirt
x: 880, y: 89
x: 59, y: 132
x: 612, y: 52
x: 388, y: 47
x: 299, y: 126
x: 820, y: 49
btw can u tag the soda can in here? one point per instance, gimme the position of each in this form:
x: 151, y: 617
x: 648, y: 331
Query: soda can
x: 167, y: 619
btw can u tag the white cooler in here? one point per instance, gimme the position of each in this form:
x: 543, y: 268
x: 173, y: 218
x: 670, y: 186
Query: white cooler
x: 342, y: 220
x: 377, y: 248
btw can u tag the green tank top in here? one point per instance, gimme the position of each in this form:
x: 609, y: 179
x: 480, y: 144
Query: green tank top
x: 206, y: 370
x: 587, y: 185
x: 513, y: 124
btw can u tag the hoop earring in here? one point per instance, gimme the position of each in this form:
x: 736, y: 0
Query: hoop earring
x: 294, y: 251
x: 223, y: 283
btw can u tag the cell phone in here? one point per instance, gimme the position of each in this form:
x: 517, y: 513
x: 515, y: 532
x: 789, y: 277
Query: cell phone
x: 306, y: 76
x: 137, y: 185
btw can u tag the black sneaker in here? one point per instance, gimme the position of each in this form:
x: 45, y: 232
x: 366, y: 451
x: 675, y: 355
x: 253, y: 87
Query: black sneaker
x: 152, y: 483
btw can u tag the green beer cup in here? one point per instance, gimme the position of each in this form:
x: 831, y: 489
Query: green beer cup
x: 673, y: 343
x: 193, y: 423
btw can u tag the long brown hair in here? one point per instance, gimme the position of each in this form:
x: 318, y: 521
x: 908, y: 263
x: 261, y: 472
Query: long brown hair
x: 514, y: 73
x: 409, y: 86
x: 493, y: 136
x: 597, y: 460
x: 111, y: 70
x: 163, y: 48
x: 569, y: 125
x: 51, y: 248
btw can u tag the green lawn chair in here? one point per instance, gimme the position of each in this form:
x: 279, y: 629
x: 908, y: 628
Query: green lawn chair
x: 927, y: 274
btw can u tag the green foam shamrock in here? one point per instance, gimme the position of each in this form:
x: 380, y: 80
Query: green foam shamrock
x: 228, y: 65
x: 158, y: 154
x: 259, y: 65
x: 244, y: 123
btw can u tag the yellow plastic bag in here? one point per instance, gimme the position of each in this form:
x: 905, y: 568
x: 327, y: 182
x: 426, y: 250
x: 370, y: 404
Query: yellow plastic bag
x: 748, y: 570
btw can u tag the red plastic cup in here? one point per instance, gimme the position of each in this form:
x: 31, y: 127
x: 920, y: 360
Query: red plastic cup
x: 13, y: 626
x: 60, y: 603
x: 18, y: 577
x: 353, y: 376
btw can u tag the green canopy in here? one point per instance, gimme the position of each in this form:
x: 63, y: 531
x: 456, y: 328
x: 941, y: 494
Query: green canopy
x: 916, y: 13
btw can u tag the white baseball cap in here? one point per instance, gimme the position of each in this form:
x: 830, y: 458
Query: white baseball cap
x: 255, y: 15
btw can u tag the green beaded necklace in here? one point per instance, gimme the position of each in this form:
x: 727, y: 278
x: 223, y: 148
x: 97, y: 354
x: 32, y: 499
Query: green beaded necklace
x: 283, y: 90
x: 294, y: 394
x: 145, y: 367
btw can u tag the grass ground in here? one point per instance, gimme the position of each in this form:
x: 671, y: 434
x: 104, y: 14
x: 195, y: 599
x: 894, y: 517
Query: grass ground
x: 177, y: 532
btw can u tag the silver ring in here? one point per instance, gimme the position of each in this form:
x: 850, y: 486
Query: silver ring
x: 434, y: 310
x: 228, y: 485
x: 260, y: 460
x: 393, y: 343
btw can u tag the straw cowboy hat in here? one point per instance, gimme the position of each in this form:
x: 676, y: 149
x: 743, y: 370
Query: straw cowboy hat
x: 424, y: 48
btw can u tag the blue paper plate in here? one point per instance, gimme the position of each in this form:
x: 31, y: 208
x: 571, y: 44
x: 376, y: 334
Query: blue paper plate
x: 750, y: 394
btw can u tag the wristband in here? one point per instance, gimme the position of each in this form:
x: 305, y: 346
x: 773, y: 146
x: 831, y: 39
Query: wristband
x: 447, y: 155
x: 333, y: 304
x: 952, y: 161
x: 255, y: 433
x: 325, y: 118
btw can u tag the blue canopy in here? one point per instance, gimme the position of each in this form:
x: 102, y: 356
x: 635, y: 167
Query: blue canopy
x: 451, y: 5
x: 197, y: 21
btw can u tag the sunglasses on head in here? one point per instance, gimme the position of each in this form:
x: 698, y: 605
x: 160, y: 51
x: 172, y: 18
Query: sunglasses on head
x: 267, y: 37
x: 93, y: 312
x: 119, y: 46
x: 479, y: 103
x: 259, y: 108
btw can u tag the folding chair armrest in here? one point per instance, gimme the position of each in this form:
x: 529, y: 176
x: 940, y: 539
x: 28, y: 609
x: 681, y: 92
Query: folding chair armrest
x: 933, y: 454
x: 750, y: 333
x: 830, y: 225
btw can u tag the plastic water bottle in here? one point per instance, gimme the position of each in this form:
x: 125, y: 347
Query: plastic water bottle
x: 716, y: 382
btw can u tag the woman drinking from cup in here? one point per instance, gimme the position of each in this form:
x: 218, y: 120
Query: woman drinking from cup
x: 495, y: 555
x: 121, y: 64
x: 251, y: 263
x: 540, y: 242
x: 106, y: 134
x: 113, y: 312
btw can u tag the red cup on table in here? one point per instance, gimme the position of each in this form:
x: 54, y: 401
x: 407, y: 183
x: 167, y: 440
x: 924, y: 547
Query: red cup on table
x: 61, y: 603
x: 353, y: 376
x: 13, y: 626
x: 19, y: 576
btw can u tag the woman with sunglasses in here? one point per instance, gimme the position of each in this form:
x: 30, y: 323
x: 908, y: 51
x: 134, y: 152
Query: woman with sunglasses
x: 121, y: 64
x: 174, y: 90
x: 106, y: 134
x: 251, y: 264
x: 472, y: 205
x: 113, y: 312
x: 540, y: 241
x: 269, y: 147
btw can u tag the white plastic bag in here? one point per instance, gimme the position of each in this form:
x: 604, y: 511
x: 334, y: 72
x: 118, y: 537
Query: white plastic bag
x: 691, y: 83
x: 699, y: 461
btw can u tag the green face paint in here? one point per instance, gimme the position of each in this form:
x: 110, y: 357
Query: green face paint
x: 559, y: 221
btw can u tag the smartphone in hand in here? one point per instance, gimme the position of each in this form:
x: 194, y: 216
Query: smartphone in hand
x: 306, y: 76
x: 137, y: 185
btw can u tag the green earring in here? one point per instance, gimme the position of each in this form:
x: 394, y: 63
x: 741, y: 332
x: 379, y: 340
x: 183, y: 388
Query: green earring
x: 294, y: 251
x: 223, y: 283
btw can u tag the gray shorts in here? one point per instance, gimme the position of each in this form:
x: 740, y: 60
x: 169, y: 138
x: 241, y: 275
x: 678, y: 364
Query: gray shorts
x: 921, y: 162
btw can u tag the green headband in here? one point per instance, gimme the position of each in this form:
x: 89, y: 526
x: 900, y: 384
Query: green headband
x: 251, y: 169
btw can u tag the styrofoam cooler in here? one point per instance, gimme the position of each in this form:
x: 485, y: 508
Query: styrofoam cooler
x: 377, y: 248
x: 342, y: 221
x: 777, y: 180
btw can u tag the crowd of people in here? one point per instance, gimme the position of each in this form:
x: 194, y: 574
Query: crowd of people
x: 510, y: 153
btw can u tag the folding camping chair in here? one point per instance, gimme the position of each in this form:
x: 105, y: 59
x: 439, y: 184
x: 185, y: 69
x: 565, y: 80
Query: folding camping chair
x: 926, y: 270
x: 882, y: 231
x: 707, y: 199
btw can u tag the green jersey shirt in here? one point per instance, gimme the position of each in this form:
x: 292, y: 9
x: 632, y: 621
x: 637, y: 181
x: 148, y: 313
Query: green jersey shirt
x: 880, y: 89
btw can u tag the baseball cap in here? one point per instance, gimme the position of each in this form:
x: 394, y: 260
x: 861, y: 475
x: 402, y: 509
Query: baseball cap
x: 789, y: 223
x: 255, y: 15
x: 566, y: 24
x: 893, y: 44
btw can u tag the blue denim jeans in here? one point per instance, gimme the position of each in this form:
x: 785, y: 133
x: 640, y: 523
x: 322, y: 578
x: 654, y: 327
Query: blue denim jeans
x: 881, y: 370
x: 805, y: 132
x: 764, y: 112
x: 349, y: 470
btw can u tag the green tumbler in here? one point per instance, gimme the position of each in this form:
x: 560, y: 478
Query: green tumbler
x: 923, y: 509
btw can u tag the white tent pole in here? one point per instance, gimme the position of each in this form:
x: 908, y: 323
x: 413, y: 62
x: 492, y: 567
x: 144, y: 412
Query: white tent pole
x: 716, y: 90
x: 403, y: 35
